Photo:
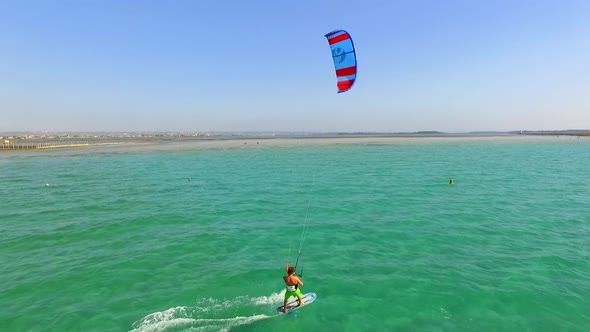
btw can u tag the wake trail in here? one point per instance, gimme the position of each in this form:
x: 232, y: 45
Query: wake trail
x: 208, y: 315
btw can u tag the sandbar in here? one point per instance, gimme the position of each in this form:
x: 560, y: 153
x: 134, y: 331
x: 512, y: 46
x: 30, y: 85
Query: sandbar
x: 259, y: 143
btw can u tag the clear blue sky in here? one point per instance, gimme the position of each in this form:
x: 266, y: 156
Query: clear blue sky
x: 145, y: 65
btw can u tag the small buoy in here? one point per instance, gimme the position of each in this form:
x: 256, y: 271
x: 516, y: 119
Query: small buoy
x: 451, y: 181
x: 190, y: 179
x: 47, y: 185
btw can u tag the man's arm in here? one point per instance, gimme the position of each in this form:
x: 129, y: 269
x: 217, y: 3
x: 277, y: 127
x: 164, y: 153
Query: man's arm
x: 300, y: 282
x: 287, y: 267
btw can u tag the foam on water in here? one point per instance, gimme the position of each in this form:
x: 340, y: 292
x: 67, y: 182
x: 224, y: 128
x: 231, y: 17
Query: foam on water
x: 202, y: 316
x: 202, y: 324
x: 271, y: 299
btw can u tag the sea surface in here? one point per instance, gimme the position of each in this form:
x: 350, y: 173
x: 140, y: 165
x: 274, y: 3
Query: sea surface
x: 125, y: 242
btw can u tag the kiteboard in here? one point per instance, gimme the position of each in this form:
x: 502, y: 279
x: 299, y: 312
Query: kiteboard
x: 292, y: 304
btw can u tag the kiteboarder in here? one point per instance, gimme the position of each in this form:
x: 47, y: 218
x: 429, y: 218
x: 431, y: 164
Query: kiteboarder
x: 293, y: 282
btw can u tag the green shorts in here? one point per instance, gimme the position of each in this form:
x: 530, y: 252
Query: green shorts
x: 296, y: 293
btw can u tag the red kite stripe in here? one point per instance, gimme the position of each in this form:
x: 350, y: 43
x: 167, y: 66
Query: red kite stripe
x: 345, y: 85
x: 337, y: 39
x: 346, y: 71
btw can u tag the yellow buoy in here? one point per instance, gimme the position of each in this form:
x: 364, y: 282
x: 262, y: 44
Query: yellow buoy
x: 47, y: 185
x: 451, y: 181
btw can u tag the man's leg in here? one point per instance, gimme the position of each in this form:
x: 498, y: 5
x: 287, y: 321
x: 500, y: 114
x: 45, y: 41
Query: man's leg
x: 285, y: 306
x: 300, y: 300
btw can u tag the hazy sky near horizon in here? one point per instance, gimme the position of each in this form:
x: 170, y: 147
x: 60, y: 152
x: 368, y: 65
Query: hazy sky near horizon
x: 264, y: 65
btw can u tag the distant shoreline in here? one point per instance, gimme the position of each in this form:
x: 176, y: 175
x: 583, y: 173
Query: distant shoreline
x: 228, y: 143
x: 286, y: 134
x: 42, y: 146
x: 48, y: 141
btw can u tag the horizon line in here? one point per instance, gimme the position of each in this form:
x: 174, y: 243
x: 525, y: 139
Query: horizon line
x: 279, y: 132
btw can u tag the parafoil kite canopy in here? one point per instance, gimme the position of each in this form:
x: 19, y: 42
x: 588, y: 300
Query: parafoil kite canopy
x: 344, y: 57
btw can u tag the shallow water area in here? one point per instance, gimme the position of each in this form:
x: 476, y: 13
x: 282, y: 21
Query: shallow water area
x: 122, y: 240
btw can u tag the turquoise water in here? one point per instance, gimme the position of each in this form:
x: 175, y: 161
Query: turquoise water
x: 123, y: 241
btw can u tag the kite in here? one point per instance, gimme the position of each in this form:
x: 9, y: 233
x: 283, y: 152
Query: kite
x: 344, y: 57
